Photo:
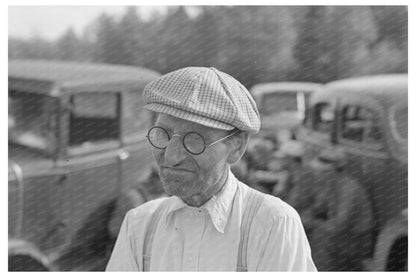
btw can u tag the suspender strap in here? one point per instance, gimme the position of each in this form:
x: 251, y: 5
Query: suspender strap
x: 150, y: 234
x: 250, y: 210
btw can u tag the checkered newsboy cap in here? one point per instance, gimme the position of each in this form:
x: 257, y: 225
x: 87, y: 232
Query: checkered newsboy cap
x: 203, y: 95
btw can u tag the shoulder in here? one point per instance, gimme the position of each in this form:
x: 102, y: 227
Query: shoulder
x: 276, y: 222
x: 272, y: 208
x: 147, y: 209
x: 276, y: 209
x: 141, y: 215
x: 279, y: 222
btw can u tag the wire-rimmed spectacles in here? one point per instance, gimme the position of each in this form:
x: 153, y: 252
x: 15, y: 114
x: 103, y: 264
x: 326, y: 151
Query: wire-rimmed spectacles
x: 193, y: 142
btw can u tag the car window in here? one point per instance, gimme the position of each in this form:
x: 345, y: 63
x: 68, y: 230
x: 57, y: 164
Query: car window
x: 93, y: 118
x: 279, y: 102
x: 32, y: 120
x: 323, y: 117
x: 136, y: 119
x: 360, y: 124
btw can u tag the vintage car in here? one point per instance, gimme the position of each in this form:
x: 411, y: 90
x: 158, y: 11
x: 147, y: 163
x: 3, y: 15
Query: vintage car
x: 76, y: 140
x: 367, y: 118
x: 282, y: 105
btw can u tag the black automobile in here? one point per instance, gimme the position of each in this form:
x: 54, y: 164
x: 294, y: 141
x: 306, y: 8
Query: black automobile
x: 76, y: 142
x: 367, y: 118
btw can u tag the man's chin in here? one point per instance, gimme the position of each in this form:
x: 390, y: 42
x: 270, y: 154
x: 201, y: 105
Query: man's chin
x: 178, y: 188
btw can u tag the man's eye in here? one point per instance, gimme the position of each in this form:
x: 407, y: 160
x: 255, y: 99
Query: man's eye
x: 166, y: 129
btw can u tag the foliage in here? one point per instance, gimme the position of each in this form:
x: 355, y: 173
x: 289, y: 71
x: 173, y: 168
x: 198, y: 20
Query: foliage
x: 253, y: 43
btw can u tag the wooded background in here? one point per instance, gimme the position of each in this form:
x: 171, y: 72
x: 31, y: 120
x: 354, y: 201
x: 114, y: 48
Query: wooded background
x: 253, y: 43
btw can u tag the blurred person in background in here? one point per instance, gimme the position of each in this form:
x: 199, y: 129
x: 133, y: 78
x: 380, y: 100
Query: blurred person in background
x: 211, y: 221
x: 252, y: 168
x: 287, y: 162
x: 259, y: 153
x: 336, y: 214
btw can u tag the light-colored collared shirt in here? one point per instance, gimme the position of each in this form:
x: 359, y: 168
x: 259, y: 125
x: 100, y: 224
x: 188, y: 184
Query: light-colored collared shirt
x: 207, y: 238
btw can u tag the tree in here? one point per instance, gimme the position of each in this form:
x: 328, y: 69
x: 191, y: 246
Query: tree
x: 254, y: 44
x: 351, y: 32
x: 333, y: 42
x: 108, y: 41
x: 131, y: 50
x: 278, y: 24
x: 245, y: 43
x: 392, y: 24
x: 175, y: 39
x: 391, y: 47
x: 69, y: 47
x: 33, y: 48
x: 310, y: 50
x: 205, y: 37
x: 152, y: 43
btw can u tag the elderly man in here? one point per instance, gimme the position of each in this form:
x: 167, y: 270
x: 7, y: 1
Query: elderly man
x: 211, y: 221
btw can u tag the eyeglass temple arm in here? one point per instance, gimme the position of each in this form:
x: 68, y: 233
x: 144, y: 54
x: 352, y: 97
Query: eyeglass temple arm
x: 221, y: 139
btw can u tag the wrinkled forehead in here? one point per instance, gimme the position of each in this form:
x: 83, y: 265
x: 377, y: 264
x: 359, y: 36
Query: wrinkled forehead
x: 178, y: 125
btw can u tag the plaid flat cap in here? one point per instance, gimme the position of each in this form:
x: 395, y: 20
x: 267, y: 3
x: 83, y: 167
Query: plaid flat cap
x: 203, y: 95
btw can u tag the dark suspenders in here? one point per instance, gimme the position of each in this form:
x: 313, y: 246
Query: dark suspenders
x: 250, y: 210
x: 150, y: 234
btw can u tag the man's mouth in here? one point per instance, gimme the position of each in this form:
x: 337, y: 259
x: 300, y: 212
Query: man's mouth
x: 176, y: 169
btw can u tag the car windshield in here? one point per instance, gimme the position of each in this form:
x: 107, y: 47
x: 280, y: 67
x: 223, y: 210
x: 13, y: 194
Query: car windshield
x: 279, y: 102
x: 32, y: 120
x: 399, y: 122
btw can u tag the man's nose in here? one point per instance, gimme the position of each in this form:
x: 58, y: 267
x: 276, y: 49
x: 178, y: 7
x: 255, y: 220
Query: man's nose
x: 175, y: 152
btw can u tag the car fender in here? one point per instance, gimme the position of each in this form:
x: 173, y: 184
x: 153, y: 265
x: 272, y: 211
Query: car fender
x: 392, y: 236
x: 25, y: 256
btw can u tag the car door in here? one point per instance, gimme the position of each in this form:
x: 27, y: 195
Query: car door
x: 34, y: 205
x: 34, y: 190
x: 362, y: 136
x: 92, y: 159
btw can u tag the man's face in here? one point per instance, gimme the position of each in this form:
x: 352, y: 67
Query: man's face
x: 186, y: 175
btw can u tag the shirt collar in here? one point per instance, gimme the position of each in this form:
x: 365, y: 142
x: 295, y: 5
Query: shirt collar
x: 218, y: 207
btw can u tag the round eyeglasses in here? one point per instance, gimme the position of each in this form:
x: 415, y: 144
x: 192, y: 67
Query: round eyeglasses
x: 193, y: 142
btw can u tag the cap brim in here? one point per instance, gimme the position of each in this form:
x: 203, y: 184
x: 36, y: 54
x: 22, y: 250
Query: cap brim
x: 205, y: 121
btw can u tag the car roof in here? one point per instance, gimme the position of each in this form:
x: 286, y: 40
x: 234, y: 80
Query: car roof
x: 385, y: 89
x: 79, y: 76
x: 273, y: 87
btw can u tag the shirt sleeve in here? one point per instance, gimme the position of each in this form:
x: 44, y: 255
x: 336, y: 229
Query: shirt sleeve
x: 287, y: 248
x: 123, y: 258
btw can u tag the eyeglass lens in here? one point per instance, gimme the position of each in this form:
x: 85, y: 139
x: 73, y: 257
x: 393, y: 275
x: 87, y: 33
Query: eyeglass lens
x: 192, y: 141
x: 158, y: 137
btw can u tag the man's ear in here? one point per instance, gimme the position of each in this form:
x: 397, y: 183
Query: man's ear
x: 239, y: 145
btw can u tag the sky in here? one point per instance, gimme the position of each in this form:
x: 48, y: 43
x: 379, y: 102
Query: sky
x: 50, y: 22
